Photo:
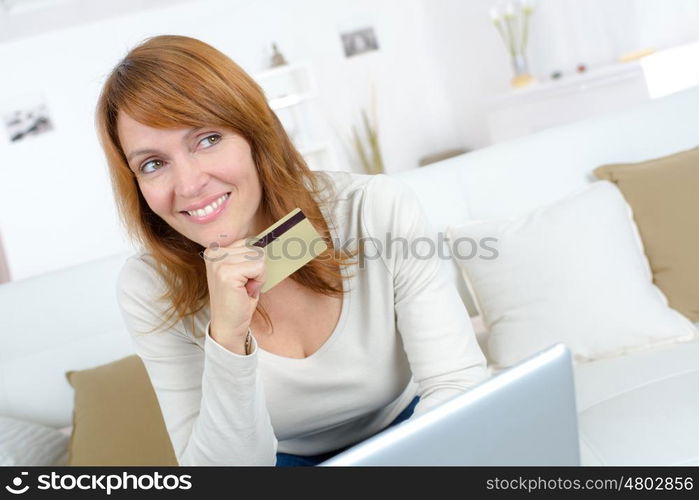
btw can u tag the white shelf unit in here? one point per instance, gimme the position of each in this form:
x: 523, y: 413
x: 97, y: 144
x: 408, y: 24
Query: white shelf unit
x: 539, y: 106
x: 596, y: 92
x: 291, y: 91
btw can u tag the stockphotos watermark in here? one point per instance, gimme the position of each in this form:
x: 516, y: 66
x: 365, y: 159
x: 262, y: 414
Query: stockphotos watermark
x: 100, y: 482
x: 370, y: 248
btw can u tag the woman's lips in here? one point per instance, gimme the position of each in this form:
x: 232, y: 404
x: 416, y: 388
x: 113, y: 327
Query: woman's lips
x: 212, y: 216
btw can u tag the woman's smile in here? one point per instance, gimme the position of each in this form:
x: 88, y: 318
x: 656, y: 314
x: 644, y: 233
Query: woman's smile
x: 208, y: 212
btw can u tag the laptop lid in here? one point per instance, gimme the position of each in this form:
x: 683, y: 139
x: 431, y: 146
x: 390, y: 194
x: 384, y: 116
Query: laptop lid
x: 524, y: 415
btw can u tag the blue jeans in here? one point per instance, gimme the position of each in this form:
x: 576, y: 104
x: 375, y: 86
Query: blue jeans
x: 288, y: 460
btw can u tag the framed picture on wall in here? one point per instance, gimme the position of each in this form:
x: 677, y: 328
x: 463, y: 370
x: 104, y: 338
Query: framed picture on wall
x: 25, y: 117
x: 23, y: 123
x: 358, y: 35
x: 359, y: 41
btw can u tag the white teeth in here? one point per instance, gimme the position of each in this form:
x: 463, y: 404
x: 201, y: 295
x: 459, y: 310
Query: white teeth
x: 201, y: 212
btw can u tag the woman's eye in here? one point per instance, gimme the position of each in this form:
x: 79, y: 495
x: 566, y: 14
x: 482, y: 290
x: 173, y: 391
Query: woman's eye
x: 210, y: 140
x: 154, y: 163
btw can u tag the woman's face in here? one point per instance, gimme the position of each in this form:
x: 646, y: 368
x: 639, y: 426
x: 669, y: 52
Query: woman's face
x: 201, y: 181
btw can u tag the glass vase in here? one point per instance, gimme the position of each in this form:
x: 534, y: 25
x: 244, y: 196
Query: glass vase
x: 520, y: 66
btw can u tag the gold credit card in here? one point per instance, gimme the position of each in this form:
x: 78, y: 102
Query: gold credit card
x: 289, y: 244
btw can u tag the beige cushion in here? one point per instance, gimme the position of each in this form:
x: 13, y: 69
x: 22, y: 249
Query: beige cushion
x: 664, y: 196
x: 117, y: 419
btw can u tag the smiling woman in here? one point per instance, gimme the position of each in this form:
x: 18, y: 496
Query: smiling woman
x: 182, y: 126
x: 198, y: 160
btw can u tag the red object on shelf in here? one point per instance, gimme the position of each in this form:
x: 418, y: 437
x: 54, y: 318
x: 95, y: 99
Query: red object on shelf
x: 582, y: 68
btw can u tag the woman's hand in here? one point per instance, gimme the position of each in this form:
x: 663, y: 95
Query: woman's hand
x: 235, y: 274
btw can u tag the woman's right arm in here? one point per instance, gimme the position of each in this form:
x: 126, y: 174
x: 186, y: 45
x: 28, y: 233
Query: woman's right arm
x: 213, y: 402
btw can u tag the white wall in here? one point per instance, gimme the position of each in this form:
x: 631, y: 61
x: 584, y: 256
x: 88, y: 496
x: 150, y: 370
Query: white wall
x: 597, y: 32
x: 33, y: 17
x: 473, y: 62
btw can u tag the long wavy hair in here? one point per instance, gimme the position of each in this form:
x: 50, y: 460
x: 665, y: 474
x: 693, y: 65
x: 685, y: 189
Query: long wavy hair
x: 173, y: 82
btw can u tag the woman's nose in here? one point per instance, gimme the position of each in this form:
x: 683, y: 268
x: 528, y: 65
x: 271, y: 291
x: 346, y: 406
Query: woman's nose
x: 190, y: 178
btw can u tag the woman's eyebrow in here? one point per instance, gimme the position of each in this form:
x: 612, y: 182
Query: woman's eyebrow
x: 140, y: 152
x: 152, y: 151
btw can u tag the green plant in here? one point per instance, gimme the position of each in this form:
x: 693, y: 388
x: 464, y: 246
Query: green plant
x: 367, y: 146
x: 512, y: 22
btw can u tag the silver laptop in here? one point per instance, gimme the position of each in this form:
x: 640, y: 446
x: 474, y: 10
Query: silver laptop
x: 525, y: 415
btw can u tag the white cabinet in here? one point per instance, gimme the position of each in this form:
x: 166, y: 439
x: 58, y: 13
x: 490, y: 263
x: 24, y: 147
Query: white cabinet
x: 613, y: 88
x: 524, y: 111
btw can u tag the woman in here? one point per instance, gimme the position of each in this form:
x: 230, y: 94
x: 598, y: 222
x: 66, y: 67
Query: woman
x: 349, y: 354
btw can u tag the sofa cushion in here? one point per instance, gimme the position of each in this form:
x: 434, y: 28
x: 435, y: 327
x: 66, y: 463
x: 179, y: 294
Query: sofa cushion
x: 117, y: 419
x: 664, y: 196
x: 572, y: 272
x: 27, y: 443
x: 640, y: 409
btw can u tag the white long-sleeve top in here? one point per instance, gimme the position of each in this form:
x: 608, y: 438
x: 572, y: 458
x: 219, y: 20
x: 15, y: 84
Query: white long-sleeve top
x: 403, y: 331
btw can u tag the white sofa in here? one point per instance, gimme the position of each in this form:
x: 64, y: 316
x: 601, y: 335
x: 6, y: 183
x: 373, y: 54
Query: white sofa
x: 640, y: 408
